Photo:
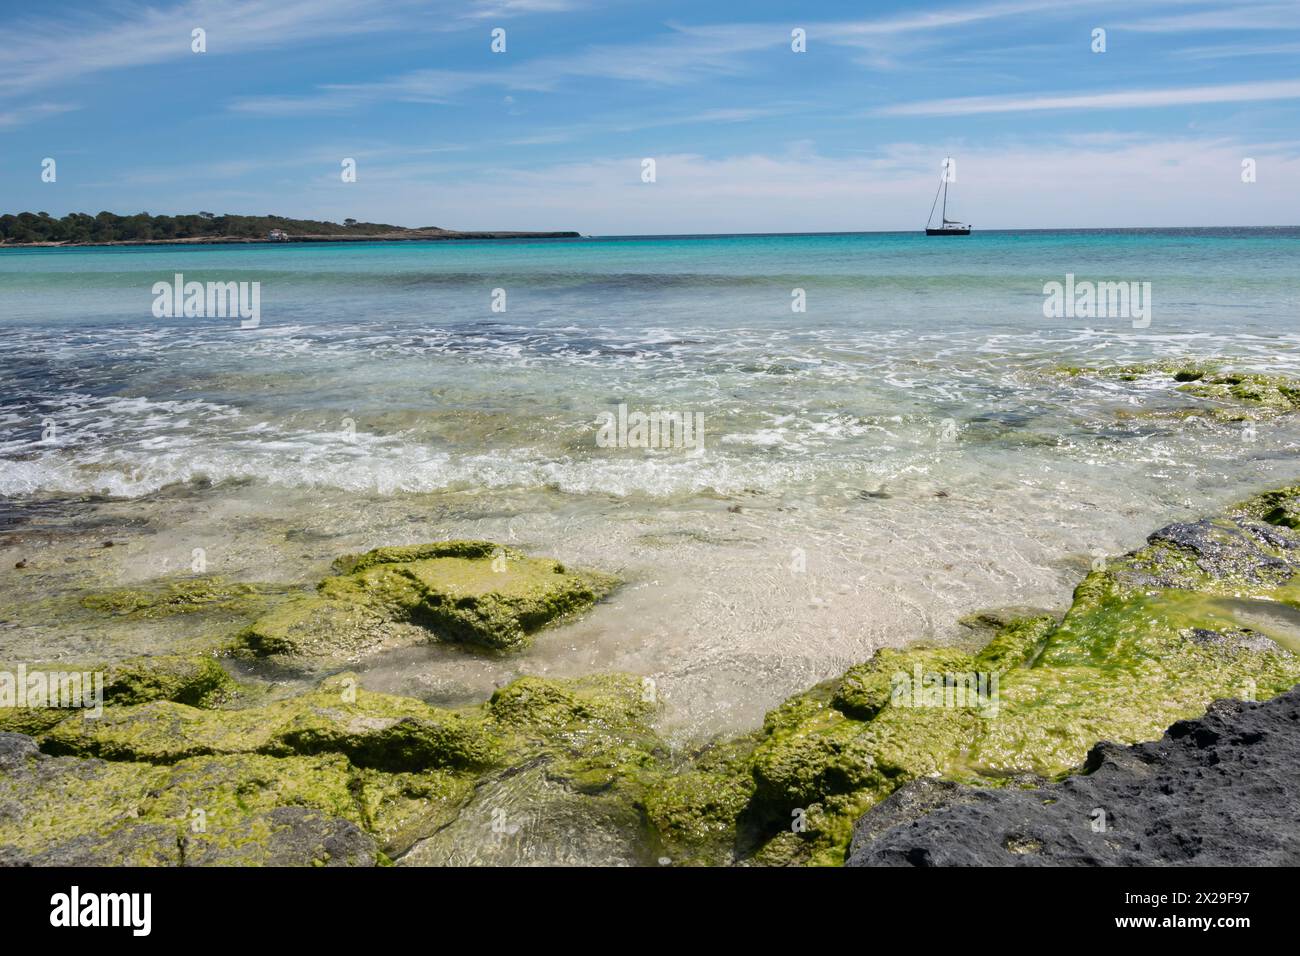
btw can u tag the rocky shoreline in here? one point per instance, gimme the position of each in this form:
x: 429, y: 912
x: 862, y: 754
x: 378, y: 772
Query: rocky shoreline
x: 195, y: 761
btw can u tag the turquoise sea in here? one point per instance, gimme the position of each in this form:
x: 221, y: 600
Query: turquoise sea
x: 903, y: 452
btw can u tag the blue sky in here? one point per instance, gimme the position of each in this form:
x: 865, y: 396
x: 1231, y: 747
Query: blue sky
x: 747, y: 134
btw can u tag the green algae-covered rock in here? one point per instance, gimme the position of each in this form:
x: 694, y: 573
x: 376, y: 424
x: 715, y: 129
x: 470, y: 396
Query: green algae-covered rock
x: 580, y: 762
x: 809, y: 750
x: 185, y: 596
x: 399, y: 809
x: 865, y: 689
x: 1281, y: 507
x: 404, y: 553
x: 474, y: 592
x: 199, y: 680
x: 492, y: 599
x: 1227, y: 395
x: 1274, y: 392
x: 609, y: 701
x: 594, y: 731
x: 240, y: 810
x: 562, y: 771
x: 315, y: 630
x: 372, y: 730
x: 1015, y: 644
x: 341, y: 773
x: 698, y: 810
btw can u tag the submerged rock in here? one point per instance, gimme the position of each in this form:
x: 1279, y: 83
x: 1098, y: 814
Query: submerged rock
x: 474, y: 592
x: 185, y: 596
x: 581, y: 762
x: 1222, y: 790
x: 1224, y: 396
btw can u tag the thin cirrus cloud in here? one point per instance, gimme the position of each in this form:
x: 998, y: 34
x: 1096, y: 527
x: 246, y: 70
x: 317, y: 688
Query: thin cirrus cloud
x: 1113, y: 180
x: 675, y: 59
x: 45, y: 52
x: 24, y: 114
x: 1239, y: 16
x: 1134, y: 181
x: 1120, y: 99
x: 42, y: 52
x: 1245, y: 50
x: 685, y: 54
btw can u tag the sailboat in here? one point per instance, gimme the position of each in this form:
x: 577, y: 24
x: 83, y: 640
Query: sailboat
x: 950, y: 227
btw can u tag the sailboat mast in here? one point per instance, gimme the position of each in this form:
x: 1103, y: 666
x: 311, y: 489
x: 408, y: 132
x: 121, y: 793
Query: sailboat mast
x: 945, y: 197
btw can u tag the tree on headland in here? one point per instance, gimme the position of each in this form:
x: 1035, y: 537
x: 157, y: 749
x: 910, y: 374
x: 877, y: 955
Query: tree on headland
x: 140, y: 227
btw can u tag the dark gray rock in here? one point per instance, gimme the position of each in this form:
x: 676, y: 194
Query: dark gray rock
x: 16, y: 750
x: 285, y: 836
x: 1273, y: 536
x: 1234, y: 638
x: 1224, y: 548
x: 137, y: 844
x: 1220, y: 790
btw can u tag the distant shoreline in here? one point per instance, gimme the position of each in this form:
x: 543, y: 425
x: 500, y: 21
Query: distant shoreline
x: 411, y: 236
x: 441, y: 235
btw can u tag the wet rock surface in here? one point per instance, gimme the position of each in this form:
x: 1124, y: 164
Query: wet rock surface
x: 1229, y: 548
x: 1219, y: 393
x: 238, y: 810
x: 471, y: 592
x: 195, y: 763
x: 1221, y: 790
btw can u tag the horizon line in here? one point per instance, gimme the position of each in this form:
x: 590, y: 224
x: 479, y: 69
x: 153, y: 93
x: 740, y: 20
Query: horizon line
x: 581, y: 237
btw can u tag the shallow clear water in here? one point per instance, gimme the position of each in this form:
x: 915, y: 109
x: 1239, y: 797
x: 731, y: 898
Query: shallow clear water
x: 894, y: 457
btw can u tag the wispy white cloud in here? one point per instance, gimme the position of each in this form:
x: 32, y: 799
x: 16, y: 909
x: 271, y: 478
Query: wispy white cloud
x: 1119, y: 99
x: 735, y: 114
x: 1088, y: 179
x: 25, y: 114
x: 41, y: 50
x: 487, y: 9
x: 1238, y: 51
x: 1079, y: 182
x: 683, y: 54
x: 419, y: 86
x: 848, y: 31
x: 675, y: 58
x: 1236, y: 16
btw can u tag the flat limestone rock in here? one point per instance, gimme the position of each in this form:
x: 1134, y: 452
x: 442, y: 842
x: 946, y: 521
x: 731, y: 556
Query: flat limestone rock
x: 310, y: 631
x: 472, y: 592
x: 372, y: 730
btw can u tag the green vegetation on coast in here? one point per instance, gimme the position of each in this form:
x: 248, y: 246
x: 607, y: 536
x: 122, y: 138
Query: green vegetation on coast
x: 79, y: 228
